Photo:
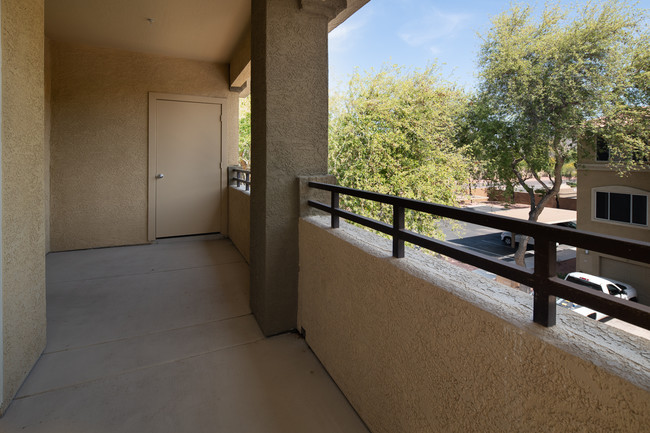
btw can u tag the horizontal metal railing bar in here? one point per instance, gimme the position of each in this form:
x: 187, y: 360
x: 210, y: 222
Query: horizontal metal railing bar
x: 539, y: 279
x: 620, y: 247
x: 368, y: 222
x: 508, y: 270
x: 240, y: 170
x: 631, y: 312
x: 637, y: 314
x: 234, y: 179
x: 505, y: 269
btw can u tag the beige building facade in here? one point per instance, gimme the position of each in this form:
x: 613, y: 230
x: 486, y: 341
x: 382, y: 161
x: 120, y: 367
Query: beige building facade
x: 617, y: 205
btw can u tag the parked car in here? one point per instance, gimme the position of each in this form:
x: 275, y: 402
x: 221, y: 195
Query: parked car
x: 506, y: 237
x: 605, y: 285
x: 627, y: 289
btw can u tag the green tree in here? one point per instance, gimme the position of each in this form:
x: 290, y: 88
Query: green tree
x: 543, y: 84
x: 626, y: 125
x: 245, y: 132
x: 393, y: 132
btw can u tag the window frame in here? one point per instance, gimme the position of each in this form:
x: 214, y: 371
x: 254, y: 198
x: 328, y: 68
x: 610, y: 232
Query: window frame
x: 623, y: 191
x: 601, y: 143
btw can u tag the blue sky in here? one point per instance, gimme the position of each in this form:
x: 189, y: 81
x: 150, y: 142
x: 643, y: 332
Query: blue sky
x: 415, y: 33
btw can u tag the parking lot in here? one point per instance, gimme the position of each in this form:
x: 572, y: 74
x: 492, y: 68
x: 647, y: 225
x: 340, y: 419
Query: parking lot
x: 486, y: 240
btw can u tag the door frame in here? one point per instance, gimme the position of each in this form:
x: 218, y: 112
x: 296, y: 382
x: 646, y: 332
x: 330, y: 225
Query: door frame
x: 153, y: 98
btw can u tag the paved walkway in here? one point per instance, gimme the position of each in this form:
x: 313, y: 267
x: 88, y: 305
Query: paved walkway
x: 160, y: 338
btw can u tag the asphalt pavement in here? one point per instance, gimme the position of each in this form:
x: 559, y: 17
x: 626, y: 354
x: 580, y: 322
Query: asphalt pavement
x: 487, y: 240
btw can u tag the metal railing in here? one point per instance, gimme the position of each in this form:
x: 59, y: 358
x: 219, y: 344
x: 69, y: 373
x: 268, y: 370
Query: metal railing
x: 240, y: 176
x: 542, y: 278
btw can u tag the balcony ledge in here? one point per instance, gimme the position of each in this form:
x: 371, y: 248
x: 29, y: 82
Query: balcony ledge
x: 620, y: 353
x: 421, y: 327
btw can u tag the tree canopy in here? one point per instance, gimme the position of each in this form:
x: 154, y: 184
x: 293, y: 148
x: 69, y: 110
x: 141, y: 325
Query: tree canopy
x: 245, y: 132
x: 547, y: 81
x: 393, y: 132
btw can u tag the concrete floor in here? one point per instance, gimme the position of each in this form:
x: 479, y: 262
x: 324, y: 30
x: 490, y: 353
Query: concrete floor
x: 160, y: 338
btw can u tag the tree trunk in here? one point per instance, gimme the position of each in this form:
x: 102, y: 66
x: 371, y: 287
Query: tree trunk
x: 520, y: 254
x: 536, y: 209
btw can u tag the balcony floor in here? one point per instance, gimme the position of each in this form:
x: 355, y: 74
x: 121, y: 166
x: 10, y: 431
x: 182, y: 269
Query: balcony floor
x: 160, y: 338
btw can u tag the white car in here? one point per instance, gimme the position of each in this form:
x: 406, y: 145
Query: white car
x: 627, y: 289
x: 605, y: 285
x: 506, y: 237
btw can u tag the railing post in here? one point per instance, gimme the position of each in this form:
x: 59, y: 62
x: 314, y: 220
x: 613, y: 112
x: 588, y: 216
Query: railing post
x: 335, y: 205
x: 543, y: 303
x: 248, y: 179
x: 398, y: 224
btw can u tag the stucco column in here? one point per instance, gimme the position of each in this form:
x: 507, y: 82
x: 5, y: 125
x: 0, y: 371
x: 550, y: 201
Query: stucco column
x: 289, y: 139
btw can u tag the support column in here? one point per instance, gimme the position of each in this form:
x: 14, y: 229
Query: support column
x: 289, y: 139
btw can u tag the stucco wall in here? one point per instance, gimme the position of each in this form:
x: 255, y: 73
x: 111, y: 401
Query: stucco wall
x: 23, y: 225
x: 239, y: 218
x: 420, y: 345
x: 48, y: 127
x: 99, y: 138
x: 521, y: 197
x: 593, y: 178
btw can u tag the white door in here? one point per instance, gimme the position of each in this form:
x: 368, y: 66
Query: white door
x: 186, y: 173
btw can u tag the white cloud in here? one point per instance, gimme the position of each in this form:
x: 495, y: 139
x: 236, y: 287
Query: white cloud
x: 340, y: 38
x: 433, y: 25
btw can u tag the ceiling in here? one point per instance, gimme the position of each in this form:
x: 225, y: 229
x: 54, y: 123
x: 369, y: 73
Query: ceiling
x: 205, y: 30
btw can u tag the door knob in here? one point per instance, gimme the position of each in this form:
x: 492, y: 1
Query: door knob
x: 160, y: 176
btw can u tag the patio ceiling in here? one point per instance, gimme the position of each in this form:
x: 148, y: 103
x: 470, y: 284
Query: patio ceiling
x: 206, y: 30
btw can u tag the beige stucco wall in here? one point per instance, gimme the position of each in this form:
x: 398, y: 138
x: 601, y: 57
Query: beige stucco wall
x: 420, y: 345
x: 593, y: 175
x: 99, y: 153
x: 46, y: 143
x: 239, y: 218
x: 23, y: 223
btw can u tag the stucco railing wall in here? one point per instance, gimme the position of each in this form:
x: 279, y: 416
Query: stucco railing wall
x: 420, y: 345
x: 239, y: 220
